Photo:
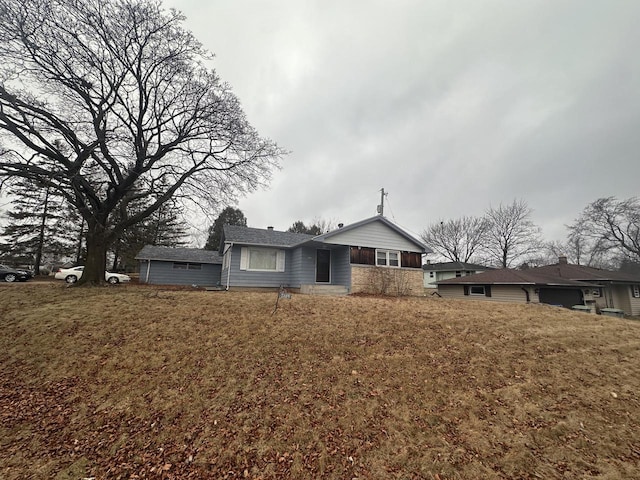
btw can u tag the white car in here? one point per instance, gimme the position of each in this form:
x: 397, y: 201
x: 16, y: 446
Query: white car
x: 71, y: 275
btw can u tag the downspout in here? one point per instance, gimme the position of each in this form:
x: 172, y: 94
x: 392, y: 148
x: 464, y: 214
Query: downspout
x: 148, y: 268
x: 230, y: 250
x: 526, y: 292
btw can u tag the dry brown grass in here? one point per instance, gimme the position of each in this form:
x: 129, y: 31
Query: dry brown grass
x: 138, y: 382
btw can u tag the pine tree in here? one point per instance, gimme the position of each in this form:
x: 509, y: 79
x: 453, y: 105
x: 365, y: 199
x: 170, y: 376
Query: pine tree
x: 228, y: 216
x: 40, y: 228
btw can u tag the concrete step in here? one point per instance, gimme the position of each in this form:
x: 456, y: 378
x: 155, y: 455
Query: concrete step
x: 324, y: 290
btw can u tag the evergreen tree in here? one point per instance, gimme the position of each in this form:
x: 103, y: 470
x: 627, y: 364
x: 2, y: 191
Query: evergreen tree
x: 228, y: 216
x: 40, y: 228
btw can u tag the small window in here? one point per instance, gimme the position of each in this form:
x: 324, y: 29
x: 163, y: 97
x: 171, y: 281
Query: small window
x: 388, y: 258
x: 636, y: 291
x: 187, y: 266
x: 431, y: 274
x: 477, y: 290
x: 596, y: 292
x: 458, y: 273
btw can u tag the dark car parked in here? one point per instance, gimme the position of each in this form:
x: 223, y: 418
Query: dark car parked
x: 8, y: 274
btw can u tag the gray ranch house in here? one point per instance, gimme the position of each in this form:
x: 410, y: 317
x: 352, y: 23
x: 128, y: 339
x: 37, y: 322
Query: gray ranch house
x: 370, y: 256
x: 179, y: 266
x: 373, y: 255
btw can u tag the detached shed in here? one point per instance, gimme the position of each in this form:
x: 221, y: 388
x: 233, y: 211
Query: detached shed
x: 179, y: 266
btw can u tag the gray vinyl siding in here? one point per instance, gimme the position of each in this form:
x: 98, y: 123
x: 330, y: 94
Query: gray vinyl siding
x: 635, y: 305
x: 303, y: 267
x: 341, y: 267
x: 499, y: 293
x: 374, y: 235
x: 304, y: 270
x: 300, y: 269
x: 163, y: 273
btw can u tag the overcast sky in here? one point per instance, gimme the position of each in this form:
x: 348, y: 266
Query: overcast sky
x: 451, y: 106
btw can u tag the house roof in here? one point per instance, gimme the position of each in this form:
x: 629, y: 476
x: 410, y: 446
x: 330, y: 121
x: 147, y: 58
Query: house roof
x: 377, y: 218
x: 580, y: 272
x: 262, y: 237
x: 506, y: 276
x: 453, y: 266
x: 171, y: 254
x: 275, y: 238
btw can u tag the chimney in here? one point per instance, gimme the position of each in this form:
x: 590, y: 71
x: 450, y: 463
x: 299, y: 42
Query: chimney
x: 270, y: 228
x: 562, y: 260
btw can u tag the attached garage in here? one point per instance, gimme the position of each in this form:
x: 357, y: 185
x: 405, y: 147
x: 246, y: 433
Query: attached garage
x: 179, y: 266
x: 567, y: 297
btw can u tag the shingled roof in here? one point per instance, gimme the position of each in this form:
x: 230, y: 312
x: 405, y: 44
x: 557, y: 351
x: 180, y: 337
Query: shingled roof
x: 506, y: 276
x: 170, y: 254
x: 580, y: 272
x: 453, y: 266
x: 262, y: 237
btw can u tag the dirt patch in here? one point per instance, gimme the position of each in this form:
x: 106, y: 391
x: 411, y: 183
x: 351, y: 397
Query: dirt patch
x: 140, y: 382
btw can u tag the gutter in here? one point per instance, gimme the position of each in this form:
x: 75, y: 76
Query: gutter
x: 229, y: 249
x: 148, y: 268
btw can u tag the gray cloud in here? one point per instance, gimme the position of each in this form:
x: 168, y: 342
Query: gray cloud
x: 450, y: 106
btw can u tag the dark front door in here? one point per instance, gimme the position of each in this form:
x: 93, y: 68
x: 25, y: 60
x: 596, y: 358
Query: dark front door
x: 323, y: 266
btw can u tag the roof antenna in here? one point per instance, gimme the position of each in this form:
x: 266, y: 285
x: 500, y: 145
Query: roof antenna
x: 381, y: 206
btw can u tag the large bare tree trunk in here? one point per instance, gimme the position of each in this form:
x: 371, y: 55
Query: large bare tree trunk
x: 96, y: 262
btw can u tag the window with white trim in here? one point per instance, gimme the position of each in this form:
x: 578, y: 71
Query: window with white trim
x: 636, y: 291
x: 387, y: 258
x: 477, y: 290
x: 262, y: 259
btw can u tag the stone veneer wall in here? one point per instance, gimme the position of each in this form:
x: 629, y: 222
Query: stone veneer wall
x: 387, y: 281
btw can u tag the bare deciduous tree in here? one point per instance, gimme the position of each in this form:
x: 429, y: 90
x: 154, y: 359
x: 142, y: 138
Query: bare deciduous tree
x: 512, y: 236
x: 107, y: 101
x: 458, y: 240
x: 609, y: 225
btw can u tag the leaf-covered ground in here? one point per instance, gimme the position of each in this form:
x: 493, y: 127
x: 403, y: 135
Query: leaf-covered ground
x: 136, y: 382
